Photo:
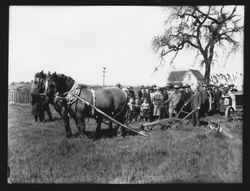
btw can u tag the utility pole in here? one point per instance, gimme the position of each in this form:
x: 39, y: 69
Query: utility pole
x: 104, y: 71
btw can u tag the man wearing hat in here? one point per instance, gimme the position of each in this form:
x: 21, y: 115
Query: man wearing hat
x: 131, y: 92
x: 196, y: 103
x: 210, y: 99
x: 217, y: 98
x: 173, y: 100
x: 145, y: 94
x: 156, y: 102
x: 232, y: 95
x: 205, y: 101
x: 225, y: 99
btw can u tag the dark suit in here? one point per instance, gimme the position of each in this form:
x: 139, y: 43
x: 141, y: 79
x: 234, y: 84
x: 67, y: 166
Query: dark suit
x: 196, y: 101
x: 205, y: 102
x: 39, y: 103
x: 146, y: 95
x: 217, y: 98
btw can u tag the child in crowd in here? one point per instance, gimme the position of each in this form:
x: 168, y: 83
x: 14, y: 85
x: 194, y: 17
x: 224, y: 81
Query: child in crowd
x: 145, y: 109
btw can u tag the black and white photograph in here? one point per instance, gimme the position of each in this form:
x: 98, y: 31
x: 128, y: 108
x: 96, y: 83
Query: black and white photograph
x: 125, y: 94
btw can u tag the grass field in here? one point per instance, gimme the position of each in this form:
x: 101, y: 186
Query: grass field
x: 39, y: 153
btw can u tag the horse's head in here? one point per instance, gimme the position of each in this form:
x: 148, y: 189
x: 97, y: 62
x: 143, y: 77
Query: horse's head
x: 57, y: 83
x: 40, y: 77
x: 38, y: 84
x: 51, y: 86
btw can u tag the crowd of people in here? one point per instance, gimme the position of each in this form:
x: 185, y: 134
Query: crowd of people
x: 149, y: 103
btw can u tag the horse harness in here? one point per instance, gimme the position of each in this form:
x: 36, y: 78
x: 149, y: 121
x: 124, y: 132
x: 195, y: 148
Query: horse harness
x: 76, y: 89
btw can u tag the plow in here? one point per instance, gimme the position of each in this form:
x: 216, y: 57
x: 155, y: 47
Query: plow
x: 172, y: 122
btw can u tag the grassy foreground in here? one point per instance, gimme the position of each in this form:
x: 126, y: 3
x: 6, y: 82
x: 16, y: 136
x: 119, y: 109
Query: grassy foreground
x: 39, y: 153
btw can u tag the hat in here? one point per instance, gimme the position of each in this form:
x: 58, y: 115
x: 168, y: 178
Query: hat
x: 225, y: 86
x: 142, y: 87
x: 234, y: 90
x: 221, y: 85
x: 125, y: 89
x: 157, y: 88
x: 176, y: 86
x: 118, y: 85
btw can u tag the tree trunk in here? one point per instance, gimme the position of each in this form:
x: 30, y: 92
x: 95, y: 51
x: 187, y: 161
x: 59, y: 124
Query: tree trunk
x: 207, y: 71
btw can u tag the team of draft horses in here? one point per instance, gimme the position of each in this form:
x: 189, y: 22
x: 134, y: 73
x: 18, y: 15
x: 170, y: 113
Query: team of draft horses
x: 144, y: 103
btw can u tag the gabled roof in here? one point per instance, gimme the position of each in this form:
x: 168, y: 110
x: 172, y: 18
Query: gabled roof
x: 176, y: 75
x: 197, y: 73
x: 179, y: 75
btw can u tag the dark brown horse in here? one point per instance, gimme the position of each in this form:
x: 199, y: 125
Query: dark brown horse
x: 40, y: 79
x: 110, y: 100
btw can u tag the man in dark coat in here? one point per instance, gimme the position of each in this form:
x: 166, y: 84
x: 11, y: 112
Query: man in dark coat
x: 196, y: 102
x: 38, y: 102
x: 145, y: 94
x: 217, y: 98
x: 185, y: 96
x: 205, y: 100
x: 131, y: 92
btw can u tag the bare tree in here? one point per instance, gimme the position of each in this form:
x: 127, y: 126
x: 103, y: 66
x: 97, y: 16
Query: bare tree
x: 204, y: 29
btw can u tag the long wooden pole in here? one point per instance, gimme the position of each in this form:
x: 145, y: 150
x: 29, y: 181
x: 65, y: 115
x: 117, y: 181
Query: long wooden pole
x: 185, y: 117
x: 112, y: 119
x: 180, y: 111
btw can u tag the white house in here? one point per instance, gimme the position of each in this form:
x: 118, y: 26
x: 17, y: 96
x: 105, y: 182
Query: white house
x: 190, y: 77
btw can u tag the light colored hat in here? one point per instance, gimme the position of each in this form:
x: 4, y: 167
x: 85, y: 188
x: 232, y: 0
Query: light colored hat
x: 225, y: 86
x: 234, y: 90
x: 125, y: 89
x: 176, y: 86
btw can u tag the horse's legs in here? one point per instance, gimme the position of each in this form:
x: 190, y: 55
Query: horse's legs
x: 120, y: 129
x: 48, y: 111
x: 58, y: 109
x: 41, y: 114
x: 110, y: 125
x: 65, y: 118
x: 35, y: 117
x: 80, y: 122
x: 99, y: 122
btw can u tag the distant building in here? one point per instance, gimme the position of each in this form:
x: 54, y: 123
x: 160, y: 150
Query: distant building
x: 190, y: 77
x: 19, y: 92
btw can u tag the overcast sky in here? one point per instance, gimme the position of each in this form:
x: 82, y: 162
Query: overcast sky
x: 80, y: 40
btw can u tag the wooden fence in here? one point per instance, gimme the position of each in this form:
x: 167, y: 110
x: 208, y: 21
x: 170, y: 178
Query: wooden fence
x: 19, y: 96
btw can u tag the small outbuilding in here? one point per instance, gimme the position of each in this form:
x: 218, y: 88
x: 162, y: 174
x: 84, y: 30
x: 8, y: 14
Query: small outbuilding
x: 19, y: 92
